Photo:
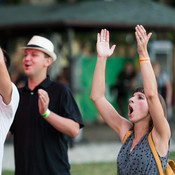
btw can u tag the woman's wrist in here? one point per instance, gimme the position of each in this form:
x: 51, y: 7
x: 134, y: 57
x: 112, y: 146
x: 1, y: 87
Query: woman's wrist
x: 143, y: 54
x: 144, y: 60
x: 101, y: 58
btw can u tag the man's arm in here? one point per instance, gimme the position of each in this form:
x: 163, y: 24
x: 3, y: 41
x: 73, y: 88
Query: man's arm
x: 64, y: 125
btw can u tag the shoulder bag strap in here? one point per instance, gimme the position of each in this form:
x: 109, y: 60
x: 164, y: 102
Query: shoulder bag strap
x: 126, y: 136
x: 156, y: 157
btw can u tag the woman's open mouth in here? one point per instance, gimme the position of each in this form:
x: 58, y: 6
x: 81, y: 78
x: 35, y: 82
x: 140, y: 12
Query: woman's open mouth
x: 130, y: 110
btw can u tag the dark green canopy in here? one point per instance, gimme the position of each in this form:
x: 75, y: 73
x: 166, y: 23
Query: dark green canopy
x: 119, y: 14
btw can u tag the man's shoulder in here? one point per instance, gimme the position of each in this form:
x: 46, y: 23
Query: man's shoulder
x: 59, y: 85
x: 21, y: 89
x: 59, y: 88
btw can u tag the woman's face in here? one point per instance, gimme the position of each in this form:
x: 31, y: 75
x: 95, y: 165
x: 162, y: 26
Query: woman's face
x: 138, y: 107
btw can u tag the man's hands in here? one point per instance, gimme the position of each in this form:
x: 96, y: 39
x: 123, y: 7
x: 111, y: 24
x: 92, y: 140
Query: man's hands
x: 43, y: 101
x: 103, y: 48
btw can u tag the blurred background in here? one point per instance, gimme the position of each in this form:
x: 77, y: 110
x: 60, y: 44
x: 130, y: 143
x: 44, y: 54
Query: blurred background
x: 72, y: 25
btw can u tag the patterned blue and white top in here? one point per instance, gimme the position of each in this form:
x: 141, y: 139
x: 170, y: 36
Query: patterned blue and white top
x: 140, y: 161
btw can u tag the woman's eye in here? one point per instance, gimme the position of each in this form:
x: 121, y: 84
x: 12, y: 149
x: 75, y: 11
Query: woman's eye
x: 140, y: 97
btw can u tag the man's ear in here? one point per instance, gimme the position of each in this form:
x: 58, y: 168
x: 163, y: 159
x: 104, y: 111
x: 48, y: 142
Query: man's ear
x: 48, y: 61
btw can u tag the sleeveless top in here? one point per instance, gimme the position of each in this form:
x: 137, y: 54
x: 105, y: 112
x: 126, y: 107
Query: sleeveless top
x: 140, y: 161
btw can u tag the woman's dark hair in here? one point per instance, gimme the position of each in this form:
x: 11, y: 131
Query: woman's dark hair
x: 162, y: 102
x: 139, y: 89
x: 6, y: 58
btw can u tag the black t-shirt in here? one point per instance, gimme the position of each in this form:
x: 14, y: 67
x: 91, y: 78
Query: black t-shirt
x: 39, y: 148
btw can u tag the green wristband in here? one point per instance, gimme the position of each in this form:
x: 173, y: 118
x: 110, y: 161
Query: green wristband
x: 46, y: 114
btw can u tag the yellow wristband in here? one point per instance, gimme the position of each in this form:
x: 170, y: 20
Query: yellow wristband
x: 144, y: 60
x: 46, y: 114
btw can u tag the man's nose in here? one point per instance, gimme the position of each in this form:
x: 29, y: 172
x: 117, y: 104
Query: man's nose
x: 27, y: 57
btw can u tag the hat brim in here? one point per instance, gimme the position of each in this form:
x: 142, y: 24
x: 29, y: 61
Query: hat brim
x: 51, y: 54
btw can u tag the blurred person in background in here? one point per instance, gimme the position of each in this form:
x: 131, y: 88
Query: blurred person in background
x: 47, y: 115
x: 146, y: 111
x: 9, y: 99
x: 164, y: 88
x: 164, y: 84
x: 125, y: 84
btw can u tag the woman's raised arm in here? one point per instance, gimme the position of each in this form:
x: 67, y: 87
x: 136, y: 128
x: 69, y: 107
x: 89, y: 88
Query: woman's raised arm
x: 161, y: 129
x: 107, y: 111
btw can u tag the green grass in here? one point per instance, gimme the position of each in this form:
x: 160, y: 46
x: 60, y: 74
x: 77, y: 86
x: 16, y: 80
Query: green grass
x: 6, y: 172
x: 99, y: 168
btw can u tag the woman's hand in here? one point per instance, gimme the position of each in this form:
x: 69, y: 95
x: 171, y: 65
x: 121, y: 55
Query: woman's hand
x: 1, y: 55
x: 142, y: 41
x: 103, y: 48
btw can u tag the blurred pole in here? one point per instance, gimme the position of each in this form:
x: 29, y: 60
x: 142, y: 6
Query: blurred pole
x: 70, y: 36
x: 71, y: 59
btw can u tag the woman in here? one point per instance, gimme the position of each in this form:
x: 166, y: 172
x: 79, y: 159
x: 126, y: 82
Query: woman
x: 9, y: 99
x: 145, y: 114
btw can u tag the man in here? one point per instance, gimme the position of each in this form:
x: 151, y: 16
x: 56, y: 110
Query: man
x: 9, y: 99
x: 46, y: 117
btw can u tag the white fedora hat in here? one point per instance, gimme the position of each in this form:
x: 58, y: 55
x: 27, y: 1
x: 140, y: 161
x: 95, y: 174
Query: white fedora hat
x: 42, y: 44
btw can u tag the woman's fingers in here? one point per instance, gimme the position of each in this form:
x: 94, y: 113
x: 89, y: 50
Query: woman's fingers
x: 137, y: 37
x: 103, y: 36
x: 149, y: 35
x: 112, y: 49
x: 141, y: 32
x: 107, y: 35
x: 143, y: 29
x: 98, y: 37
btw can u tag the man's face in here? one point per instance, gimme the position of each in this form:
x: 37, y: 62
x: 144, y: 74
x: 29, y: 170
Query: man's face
x: 34, y: 62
